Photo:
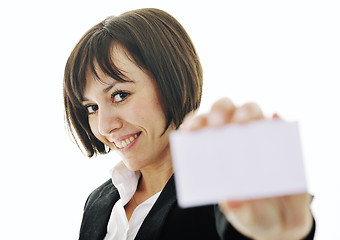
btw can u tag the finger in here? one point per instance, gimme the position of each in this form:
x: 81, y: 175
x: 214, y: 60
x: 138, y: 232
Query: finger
x: 240, y: 215
x: 253, y: 217
x: 195, y: 123
x: 276, y: 116
x: 221, y: 112
x: 299, y: 214
x: 246, y: 113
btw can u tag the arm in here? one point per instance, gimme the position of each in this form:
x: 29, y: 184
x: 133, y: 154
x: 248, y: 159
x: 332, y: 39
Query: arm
x: 285, y: 217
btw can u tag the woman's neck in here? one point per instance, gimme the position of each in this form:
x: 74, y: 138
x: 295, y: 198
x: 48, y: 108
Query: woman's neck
x: 154, y: 178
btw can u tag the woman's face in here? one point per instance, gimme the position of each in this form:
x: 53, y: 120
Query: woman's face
x: 128, y: 116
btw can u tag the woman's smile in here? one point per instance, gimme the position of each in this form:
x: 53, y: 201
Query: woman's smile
x: 126, y: 142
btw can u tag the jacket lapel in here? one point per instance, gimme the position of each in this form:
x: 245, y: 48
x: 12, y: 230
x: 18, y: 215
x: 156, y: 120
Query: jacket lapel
x: 97, y: 212
x: 152, y: 225
x: 99, y: 205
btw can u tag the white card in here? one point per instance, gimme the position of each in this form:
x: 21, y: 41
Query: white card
x: 237, y: 162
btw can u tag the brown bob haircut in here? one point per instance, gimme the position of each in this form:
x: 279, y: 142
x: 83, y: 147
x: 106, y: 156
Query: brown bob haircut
x: 157, y: 43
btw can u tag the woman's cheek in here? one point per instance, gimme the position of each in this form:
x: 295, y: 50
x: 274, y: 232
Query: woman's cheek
x: 136, y: 114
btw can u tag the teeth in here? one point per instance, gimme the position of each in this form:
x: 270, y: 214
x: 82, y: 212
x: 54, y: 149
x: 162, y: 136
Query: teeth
x: 126, y: 142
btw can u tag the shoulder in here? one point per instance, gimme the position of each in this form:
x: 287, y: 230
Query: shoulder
x: 102, y: 194
x: 97, y: 211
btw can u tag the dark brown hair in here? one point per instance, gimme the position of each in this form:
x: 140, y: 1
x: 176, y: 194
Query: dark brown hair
x: 157, y: 43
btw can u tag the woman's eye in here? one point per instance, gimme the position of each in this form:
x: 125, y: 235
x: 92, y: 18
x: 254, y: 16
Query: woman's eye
x: 119, y: 96
x: 91, y: 109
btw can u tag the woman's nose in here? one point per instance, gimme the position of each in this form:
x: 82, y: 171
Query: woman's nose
x: 108, y: 121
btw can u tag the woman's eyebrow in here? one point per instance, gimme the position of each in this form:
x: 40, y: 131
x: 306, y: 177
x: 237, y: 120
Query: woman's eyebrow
x: 84, y: 99
x: 107, y: 89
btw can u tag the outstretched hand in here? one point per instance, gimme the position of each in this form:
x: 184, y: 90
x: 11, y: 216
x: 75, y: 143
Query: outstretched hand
x: 285, y: 217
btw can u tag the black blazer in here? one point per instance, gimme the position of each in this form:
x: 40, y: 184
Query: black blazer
x: 166, y: 220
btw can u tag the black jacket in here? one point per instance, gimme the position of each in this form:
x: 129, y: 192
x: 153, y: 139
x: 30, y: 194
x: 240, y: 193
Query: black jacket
x: 166, y: 220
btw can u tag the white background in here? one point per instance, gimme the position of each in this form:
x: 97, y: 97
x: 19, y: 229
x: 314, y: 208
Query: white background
x: 284, y: 55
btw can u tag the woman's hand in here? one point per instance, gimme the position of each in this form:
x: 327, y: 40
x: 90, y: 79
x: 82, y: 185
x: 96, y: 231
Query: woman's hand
x: 286, y: 217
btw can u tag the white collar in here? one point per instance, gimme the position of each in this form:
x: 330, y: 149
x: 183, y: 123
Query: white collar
x: 125, y: 181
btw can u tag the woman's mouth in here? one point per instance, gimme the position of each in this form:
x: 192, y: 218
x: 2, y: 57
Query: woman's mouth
x: 122, y: 144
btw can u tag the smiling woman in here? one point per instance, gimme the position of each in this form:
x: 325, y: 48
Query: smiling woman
x: 122, y: 116
x: 156, y: 43
x: 129, y: 82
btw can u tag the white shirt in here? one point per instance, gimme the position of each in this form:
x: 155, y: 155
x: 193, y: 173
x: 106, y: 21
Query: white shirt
x: 126, y: 182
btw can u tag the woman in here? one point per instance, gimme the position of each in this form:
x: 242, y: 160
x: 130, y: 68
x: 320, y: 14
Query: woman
x: 128, y: 83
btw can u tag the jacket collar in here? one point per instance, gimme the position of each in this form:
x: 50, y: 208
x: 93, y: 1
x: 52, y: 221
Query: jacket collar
x: 152, y: 225
x: 99, y: 206
x: 97, y: 212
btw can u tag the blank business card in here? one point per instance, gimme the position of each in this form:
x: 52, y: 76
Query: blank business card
x: 237, y: 162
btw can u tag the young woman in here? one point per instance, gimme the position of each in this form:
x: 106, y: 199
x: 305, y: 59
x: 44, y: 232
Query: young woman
x: 128, y: 83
